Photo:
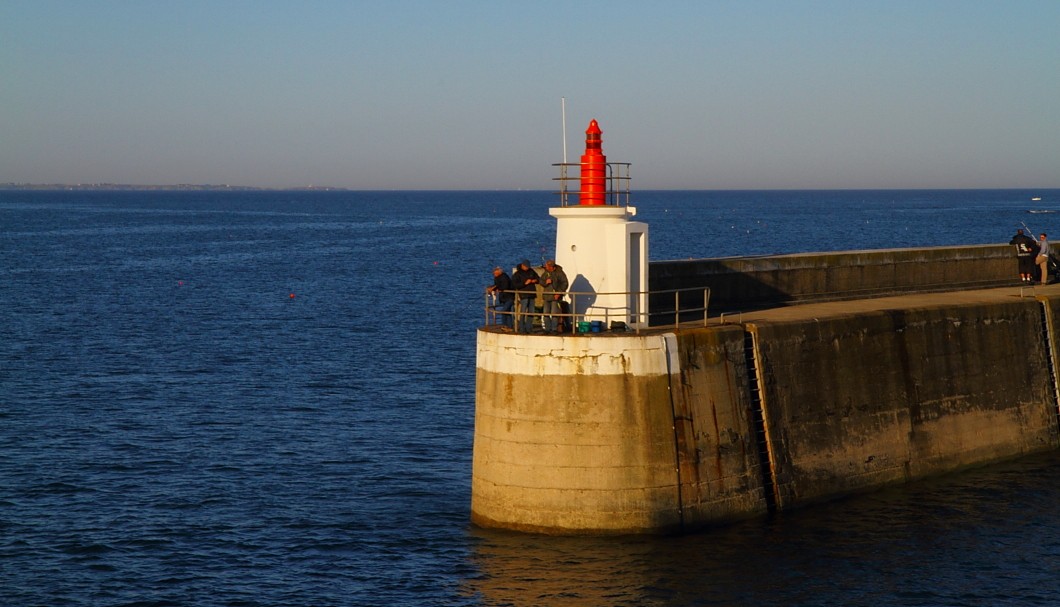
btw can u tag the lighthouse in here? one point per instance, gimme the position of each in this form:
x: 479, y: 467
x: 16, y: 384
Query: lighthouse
x: 603, y: 252
x: 574, y: 432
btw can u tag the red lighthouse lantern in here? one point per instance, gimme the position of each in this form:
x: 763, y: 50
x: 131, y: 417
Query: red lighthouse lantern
x: 593, y: 188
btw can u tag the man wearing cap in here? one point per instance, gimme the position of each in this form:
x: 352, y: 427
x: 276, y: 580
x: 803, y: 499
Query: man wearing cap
x: 554, y: 283
x: 502, y: 291
x: 525, y: 282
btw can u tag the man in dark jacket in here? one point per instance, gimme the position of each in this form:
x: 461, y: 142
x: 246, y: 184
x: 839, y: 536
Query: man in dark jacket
x: 554, y: 282
x: 525, y: 282
x: 504, y: 295
x: 1026, y: 250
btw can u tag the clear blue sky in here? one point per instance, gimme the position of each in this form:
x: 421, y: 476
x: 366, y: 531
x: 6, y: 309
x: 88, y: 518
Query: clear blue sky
x: 394, y: 94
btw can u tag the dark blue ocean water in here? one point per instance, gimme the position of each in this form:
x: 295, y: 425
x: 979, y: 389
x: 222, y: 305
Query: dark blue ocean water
x: 265, y: 399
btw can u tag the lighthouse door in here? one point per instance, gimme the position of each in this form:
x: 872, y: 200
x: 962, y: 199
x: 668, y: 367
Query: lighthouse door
x: 636, y: 308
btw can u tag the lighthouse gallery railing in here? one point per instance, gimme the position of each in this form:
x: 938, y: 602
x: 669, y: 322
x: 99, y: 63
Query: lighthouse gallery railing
x: 616, y: 192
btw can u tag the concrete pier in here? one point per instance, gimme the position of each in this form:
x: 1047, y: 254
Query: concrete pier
x: 678, y: 428
x: 572, y: 435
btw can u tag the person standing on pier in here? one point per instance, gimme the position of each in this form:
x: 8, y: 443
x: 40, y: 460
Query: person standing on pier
x: 1043, y: 257
x: 554, y: 282
x: 1026, y: 249
x: 525, y: 280
x: 505, y: 296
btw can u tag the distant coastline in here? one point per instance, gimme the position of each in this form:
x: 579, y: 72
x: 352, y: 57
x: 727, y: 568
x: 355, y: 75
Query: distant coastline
x: 191, y: 187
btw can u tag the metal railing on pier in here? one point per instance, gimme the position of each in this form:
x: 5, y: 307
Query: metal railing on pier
x: 692, y: 310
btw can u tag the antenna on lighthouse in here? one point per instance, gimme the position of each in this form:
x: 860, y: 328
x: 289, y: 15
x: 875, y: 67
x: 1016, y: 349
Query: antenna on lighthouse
x: 563, y: 109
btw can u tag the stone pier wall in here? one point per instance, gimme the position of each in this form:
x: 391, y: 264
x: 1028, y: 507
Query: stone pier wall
x: 574, y: 434
x: 693, y: 427
x: 867, y: 400
x: 749, y: 283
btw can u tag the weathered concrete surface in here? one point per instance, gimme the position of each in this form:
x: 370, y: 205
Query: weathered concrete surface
x: 573, y: 435
x: 747, y: 283
x: 719, y: 469
x: 864, y: 400
x: 613, y: 434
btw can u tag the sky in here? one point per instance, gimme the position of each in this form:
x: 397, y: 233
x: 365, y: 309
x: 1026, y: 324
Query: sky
x: 457, y: 94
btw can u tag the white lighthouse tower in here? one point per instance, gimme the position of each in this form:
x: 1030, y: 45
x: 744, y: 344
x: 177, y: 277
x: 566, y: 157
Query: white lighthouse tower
x: 603, y: 252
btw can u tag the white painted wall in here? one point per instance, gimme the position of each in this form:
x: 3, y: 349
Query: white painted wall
x: 561, y: 355
x: 602, y: 251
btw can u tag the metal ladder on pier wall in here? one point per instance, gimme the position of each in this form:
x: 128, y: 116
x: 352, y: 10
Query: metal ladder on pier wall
x: 1048, y: 330
x: 758, y: 420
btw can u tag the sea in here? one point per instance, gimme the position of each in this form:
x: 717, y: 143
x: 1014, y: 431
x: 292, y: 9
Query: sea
x: 266, y: 398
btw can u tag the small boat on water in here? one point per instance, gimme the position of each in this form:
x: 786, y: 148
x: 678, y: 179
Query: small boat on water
x: 1036, y: 198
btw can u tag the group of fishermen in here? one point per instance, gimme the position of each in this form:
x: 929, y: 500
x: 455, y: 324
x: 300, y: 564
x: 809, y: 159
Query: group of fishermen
x: 1029, y: 254
x: 521, y: 291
